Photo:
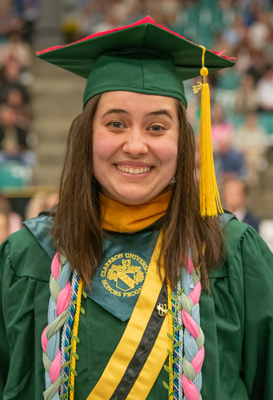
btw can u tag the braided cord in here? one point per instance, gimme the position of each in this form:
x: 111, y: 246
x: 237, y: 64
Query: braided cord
x: 66, y: 335
x: 193, y: 335
x: 75, y: 340
x: 178, y: 342
x: 170, y: 336
x: 60, y: 295
x: 180, y: 339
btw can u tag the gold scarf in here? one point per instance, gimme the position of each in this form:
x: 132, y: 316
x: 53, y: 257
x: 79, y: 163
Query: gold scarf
x: 119, y: 217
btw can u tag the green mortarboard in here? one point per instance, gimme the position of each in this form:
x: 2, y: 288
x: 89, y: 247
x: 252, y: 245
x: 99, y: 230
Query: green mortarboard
x: 143, y: 57
x: 147, y: 58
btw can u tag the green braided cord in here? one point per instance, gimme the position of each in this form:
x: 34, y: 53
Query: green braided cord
x: 187, y: 303
x: 196, y: 276
x: 188, y: 370
x: 53, y: 388
x: 54, y: 288
x: 192, y: 346
x: 47, y: 362
x: 63, y: 260
x: 200, y: 340
x: 56, y: 324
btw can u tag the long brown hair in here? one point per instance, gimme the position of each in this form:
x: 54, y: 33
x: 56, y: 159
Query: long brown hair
x: 77, y: 229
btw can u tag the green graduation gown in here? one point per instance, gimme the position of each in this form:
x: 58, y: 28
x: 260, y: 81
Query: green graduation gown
x: 236, y: 317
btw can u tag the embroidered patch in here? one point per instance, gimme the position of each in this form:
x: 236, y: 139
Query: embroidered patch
x: 119, y: 279
x: 123, y: 275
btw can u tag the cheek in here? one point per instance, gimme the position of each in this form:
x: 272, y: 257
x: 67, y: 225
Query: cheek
x: 168, y: 152
x: 104, y: 148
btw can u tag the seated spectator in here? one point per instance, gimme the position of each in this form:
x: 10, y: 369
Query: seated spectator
x: 10, y: 78
x: 11, y: 71
x: 251, y: 140
x: 8, y: 20
x: 258, y: 64
x: 236, y: 201
x: 246, y: 96
x: 259, y: 30
x: 265, y: 91
x: 220, y: 127
x: 4, y: 226
x: 234, y: 35
x: 268, y: 48
x: 229, y: 162
x: 13, y: 136
x: 41, y: 201
x: 14, y: 222
x: 17, y: 49
x: 15, y: 100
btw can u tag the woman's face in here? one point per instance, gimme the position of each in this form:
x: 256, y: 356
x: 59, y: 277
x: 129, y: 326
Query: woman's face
x: 135, y: 145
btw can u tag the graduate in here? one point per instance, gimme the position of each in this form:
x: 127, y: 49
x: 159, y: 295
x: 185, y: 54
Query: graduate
x: 137, y: 285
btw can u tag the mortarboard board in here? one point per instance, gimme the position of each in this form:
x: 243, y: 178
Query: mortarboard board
x: 147, y: 58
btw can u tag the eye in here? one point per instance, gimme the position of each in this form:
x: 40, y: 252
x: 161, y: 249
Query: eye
x: 156, y: 128
x: 116, y: 125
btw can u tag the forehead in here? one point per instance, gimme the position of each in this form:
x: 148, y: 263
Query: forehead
x: 132, y: 101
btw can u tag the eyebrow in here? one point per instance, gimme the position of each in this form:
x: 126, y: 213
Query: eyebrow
x: 161, y: 112
x: 114, y: 111
x: 121, y: 111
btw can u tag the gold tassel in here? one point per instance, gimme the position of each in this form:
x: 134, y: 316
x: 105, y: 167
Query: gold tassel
x: 210, y: 203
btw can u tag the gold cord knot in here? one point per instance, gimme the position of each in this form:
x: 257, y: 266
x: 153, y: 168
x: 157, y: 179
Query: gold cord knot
x: 197, y: 87
x: 204, y: 71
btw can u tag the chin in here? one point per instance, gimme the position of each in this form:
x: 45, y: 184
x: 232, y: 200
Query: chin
x: 134, y: 199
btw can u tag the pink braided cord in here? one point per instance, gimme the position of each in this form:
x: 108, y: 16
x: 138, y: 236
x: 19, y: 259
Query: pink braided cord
x: 44, y: 340
x: 55, y: 266
x: 190, y: 324
x: 190, y: 266
x: 190, y: 390
x: 63, y: 299
x: 197, y: 362
x: 195, y: 294
x: 62, y: 304
x: 56, y: 366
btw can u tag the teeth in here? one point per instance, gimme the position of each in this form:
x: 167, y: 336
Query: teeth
x: 132, y: 170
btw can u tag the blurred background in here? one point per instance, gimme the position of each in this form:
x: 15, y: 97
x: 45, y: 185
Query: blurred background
x: 39, y: 101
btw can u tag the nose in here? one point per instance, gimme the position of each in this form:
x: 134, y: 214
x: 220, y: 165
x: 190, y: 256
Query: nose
x: 135, y: 143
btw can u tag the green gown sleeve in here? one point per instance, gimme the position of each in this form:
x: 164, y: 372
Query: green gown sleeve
x: 237, y: 319
x: 4, y: 347
x: 24, y: 276
x: 257, y: 360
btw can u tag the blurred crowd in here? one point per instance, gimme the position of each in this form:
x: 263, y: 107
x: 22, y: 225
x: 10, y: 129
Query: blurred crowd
x: 242, y: 97
x: 17, y: 19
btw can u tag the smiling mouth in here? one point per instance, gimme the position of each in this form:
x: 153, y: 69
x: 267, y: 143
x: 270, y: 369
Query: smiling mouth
x: 133, y: 171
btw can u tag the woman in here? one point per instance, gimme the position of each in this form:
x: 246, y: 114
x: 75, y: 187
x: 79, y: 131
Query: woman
x: 129, y: 224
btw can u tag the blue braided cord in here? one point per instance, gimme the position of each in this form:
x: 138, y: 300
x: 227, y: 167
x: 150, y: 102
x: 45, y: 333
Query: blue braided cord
x: 53, y: 342
x: 67, y: 331
x: 180, y: 338
x: 176, y: 383
x: 190, y: 345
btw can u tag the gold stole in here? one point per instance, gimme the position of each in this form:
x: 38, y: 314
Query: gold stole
x: 130, y: 340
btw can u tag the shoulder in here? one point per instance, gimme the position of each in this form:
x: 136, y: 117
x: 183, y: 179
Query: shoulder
x: 24, y: 254
x: 246, y: 251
